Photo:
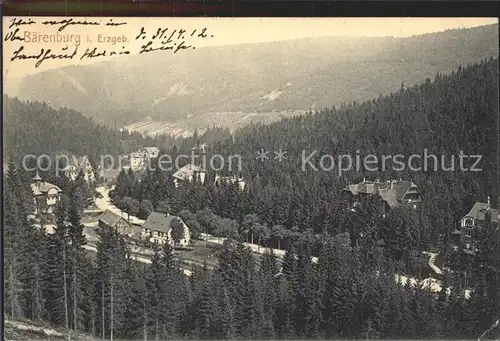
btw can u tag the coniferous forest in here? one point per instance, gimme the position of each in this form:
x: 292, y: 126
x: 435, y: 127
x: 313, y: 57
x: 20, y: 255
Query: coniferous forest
x: 348, y: 293
x: 64, y: 131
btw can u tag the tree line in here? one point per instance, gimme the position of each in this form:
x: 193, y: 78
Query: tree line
x: 280, y: 203
x: 36, y: 128
x: 350, y: 292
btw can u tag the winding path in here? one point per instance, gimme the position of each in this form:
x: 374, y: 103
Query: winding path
x: 432, y: 259
x: 104, y: 204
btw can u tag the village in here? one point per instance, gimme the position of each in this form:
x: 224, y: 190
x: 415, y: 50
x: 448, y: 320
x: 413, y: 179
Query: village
x: 160, y: 228
x: 330, y: 183
x: 157, y: 229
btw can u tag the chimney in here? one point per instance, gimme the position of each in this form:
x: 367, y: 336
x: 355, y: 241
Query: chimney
x: 488, y: 202
x: 364, y: 180
x: 37, y: 179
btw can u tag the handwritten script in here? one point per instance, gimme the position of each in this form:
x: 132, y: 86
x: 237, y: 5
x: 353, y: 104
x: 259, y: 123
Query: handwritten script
x: 41, y: 40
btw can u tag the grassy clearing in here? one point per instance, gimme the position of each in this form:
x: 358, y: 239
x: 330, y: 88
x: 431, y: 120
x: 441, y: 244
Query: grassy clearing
x: 200, y: 253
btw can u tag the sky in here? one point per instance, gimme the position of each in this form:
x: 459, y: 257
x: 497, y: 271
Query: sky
x: 219, y: 31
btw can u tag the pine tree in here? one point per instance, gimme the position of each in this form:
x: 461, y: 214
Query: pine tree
x: 12, y: 304
x: 23, y: 245
x: 205, y: 314
x: 78, y: 262
x: 268, y: 283
x: 33, y: 264
x: 111, y: 281
x: 57, y: 272
x: 290, y: 275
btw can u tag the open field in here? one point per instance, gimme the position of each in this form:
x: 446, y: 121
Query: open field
x: 186, y: 127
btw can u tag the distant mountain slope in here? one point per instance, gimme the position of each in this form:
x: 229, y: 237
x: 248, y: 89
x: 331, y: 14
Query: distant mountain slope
x: 298, y: 74
x: 36, y: 128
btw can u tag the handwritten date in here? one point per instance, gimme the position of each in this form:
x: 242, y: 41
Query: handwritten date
x: 164, y: 39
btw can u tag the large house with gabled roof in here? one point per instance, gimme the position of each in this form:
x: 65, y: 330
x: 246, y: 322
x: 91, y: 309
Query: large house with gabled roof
x: 45, y: 194
x: 158, y: 228
x: 140, y: 159
x: 189, y: 173
x: 109, y: 219
x: 393, y: 192
x: 472, y: 222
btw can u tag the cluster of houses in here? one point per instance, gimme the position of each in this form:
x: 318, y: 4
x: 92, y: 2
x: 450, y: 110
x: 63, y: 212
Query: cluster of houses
x: 157, y: 227
x: 191, y: 172
x: 137, y: 161
x: 395, y: 193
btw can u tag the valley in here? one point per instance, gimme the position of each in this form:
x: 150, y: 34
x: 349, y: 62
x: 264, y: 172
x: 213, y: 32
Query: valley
x: 186, y: 126
x: 284, y: 76
x: 283, y: 247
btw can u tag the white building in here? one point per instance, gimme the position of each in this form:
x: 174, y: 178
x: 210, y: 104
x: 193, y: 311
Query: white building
x: 137, y: 161
x: 151, y: 152
x: 77, y: 165
x: 158, y: 229
x: 188, y: 174
x: 230, y: 180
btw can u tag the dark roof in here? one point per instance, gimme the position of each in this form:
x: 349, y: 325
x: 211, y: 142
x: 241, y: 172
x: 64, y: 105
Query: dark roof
x: 479, y: 210
x: 392, y: 191
x: 159, y: 222
x: 109, y: 218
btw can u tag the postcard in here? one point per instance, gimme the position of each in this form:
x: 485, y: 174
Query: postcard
x: 250, y: 178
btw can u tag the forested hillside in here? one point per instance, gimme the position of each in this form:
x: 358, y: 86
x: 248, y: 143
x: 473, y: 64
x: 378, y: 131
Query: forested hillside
x: 349, y: 293
x: 450, y: 114
x: 301, y: 74
x: 36, y: 128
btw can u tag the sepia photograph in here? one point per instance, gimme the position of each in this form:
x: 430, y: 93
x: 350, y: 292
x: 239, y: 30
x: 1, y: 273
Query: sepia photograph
x: 250, y: 178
